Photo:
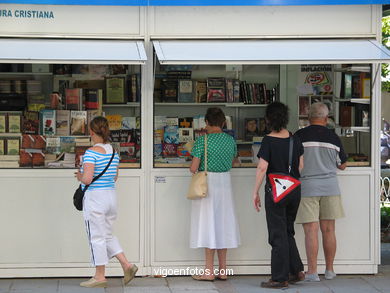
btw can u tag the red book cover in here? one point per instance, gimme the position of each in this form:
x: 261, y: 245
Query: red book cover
x: 73, y: 99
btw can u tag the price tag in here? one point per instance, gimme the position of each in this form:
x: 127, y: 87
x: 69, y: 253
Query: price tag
x: 159, y: 179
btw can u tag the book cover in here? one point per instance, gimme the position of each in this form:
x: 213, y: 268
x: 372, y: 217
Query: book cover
x: 91, y: 114
x: 129, y: 122
x: 251, y: 128
x: 263, y: 129
x: 158, y: 136
x: 127, y: 135
x: 3, y: 124
x: 157, y: 150
x: 115, y: 90
x: 366, y: 88
x: 78, y: 122
x: 79, y: 151
x: 13, y: 146
x: 200, y: 89
x: 216, y: 90
x: 304, y: 105
x: 14, y: 123
x: 127, y: 152
x: 186, y: 135
x: 160, y: 122
x: 171, y: 135
x: 345, y: 116
x: 115, y: 135
x: 62, y: 122
x: 35, y: 103
x: 2, y: 147
x: 185, y: 93
x: 114, y: 121
x: 48, y: 122
x: 53, y: 145
x: 25, y: 158
x: 30, y: 141
x: 92, y: 98
x: 73, y: 99
x: 169, y: 90
x: 347, y: 90
x: 182, y: 151
x: 172, y: 121
x: 236, y: 91
x: 169, y: 150
x: 185, y: 122
x: 356, y: 86
x: 134, y: 88
x: 67, y: 144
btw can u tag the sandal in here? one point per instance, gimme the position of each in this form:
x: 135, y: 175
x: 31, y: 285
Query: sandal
x: 202, y: 278
x: 221, y: 277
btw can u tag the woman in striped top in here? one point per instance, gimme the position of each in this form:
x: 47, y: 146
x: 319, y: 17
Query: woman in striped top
x: 99, y: 205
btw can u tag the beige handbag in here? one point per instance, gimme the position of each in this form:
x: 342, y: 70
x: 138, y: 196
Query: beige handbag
x: 198, y: 185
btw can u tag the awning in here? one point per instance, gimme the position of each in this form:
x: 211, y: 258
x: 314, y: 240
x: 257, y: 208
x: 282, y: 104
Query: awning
x: 270, y: 51
x: 71, y: 51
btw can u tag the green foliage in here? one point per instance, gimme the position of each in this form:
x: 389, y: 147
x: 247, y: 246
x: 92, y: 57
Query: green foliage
x: 385, y: 217
x: 386, y: 43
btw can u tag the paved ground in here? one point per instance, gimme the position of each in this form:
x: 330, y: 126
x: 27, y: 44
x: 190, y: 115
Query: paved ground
x: 237, y: 284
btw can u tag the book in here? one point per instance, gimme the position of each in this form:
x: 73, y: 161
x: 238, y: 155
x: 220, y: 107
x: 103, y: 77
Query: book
x: 14, y: 123
x: 115, y: 135
x: 73, y: 99
x: 30, y: 141
x: 3, y: 123
x: 30, y: 122
x: 134, y: 88
x: 251, y: 128
x: 91, y: 114
x: 185, y: 122
x: 157, y: 150
x: 185, y: 92
x: 171, y: 135
x: 347, y: 89
x: 35, y: 103
x: 236, y: 91
x: 115, y: 90
x: 127, y: 152
x: 84, y: 141
x: 2, y: 146
x: 172, y: 121
x: 129, y: 122
x: 55, y: 101
x: 216, y: 90
x: 186, y: 135
x: 114, y: 121
x: 48, y: 122
x: 78, y: 122
x: 263, y: 129
x: 12, y: 146
x: 182, y: 151
x: 160, y: 122
x: 25, y: 158
x: 229, y: 91
x: 345, y: 116
x: 304, y: 105
x: 79, y: 153
x: 366, y: 88
x: 62, y: 122
x: 169, y: 90
x: 53, y: 145
x: 34, y: 87
x: 200, y: 88
x: 169, y: 150
x: 158, y: 136
x: 67, y: 144
x: 93, y: 98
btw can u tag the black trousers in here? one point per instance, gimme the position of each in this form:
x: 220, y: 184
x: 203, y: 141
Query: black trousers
x: 281, y: 216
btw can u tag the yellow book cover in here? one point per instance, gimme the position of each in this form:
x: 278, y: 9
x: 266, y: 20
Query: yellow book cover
x: 114, y: 121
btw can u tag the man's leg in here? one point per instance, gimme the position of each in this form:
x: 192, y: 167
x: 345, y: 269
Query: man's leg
x: 311, y: 244
x: 328, y: 242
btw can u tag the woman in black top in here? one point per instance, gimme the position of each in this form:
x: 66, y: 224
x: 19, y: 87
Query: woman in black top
x: 286, y: 264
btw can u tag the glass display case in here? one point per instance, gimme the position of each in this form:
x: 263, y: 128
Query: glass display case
x: 183, y: 93
x: 45, y: 110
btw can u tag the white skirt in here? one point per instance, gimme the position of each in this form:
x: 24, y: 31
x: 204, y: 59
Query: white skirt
x: 213, y: 219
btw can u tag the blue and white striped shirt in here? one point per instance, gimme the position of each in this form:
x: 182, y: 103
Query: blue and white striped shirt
x: 107, y: 180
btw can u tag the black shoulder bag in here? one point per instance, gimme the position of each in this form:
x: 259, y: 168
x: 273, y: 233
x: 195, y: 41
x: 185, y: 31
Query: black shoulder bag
x: 282, y: 184
x: 79, y: 193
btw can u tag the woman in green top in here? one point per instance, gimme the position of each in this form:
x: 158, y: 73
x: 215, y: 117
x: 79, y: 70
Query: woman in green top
x: 213, y: 220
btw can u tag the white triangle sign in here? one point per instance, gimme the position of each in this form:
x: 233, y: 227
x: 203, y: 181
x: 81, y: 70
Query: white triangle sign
x: 282, y: 185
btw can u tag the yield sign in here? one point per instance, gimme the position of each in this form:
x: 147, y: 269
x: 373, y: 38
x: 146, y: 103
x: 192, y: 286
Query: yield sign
x: 282, y: 185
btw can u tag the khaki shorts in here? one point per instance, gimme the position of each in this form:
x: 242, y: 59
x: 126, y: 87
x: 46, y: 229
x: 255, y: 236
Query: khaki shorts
x: 315, y: 208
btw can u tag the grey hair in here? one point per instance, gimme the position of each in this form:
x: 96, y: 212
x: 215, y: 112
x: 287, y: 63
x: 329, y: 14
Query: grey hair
x: 318, y: 110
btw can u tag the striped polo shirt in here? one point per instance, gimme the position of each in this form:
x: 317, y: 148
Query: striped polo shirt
x: 323, y: 153
x: 107, y: 180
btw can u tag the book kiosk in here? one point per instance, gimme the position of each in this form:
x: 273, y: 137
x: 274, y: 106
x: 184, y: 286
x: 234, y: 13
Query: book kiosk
x: 153, y: 71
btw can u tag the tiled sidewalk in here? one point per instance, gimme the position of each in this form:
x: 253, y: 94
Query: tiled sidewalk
x: 237, y: 284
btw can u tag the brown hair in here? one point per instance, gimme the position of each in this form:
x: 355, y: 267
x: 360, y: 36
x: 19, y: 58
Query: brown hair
x: 99, y: 125
x: 215, y: 117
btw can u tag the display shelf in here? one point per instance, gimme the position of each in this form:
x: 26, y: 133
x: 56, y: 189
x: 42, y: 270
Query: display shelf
x: 233, y: 105
x: 129, y: 165
x: 356, y: 101
x: 25, y: 73
x: 235, y: 165
x: 353, y: 69
x: 128, y: 105
x: 10, y: 134
x: 358, y: 164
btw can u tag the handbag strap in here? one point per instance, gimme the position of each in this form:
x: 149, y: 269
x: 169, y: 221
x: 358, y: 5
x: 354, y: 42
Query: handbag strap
x: 101, y: 173
x: 290, y: 153
x: 205, y: 153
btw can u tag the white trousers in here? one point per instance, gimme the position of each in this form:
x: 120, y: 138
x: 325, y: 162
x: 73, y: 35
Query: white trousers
x: 99, y: 209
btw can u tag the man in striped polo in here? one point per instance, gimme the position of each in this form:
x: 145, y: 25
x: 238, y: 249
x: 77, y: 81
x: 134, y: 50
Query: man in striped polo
x: 321, y: 203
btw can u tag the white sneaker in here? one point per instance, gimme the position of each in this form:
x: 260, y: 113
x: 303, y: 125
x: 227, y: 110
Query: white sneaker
x: 312, y: 278
x: 329, y: 275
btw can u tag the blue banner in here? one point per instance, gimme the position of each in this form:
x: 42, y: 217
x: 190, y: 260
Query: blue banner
x: 197, y: 2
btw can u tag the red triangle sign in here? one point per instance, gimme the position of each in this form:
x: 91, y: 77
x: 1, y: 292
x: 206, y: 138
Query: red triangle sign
x: 282, y: 185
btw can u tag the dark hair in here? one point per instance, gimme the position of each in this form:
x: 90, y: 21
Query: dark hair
x: 215, y: 117
x: 276, y: 115
x: 99, y: 125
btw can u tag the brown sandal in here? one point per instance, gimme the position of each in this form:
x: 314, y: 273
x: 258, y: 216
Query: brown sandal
x: 202, y: 278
